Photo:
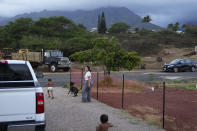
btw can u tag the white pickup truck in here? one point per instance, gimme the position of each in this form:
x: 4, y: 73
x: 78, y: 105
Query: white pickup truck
x: 21, y: 97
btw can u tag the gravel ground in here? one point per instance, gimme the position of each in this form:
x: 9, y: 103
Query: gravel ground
x: 67, y: 113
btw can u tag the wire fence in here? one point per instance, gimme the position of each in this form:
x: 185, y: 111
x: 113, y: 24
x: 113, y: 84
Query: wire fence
x: 167, y: 107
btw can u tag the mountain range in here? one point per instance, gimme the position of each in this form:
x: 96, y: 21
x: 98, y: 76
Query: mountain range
x: 89, y: 17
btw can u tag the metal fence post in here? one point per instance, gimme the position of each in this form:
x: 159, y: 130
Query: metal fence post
x: 81, y: 78
x: 164, y: 93
x: 70, y: 76
x: 97, y: 80
x: 123, y: 91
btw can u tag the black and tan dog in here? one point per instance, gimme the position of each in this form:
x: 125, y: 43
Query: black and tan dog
x: 73, y: 89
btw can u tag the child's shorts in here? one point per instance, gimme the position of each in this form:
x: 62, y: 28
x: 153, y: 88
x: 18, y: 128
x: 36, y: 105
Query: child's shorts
x: 50, y: 88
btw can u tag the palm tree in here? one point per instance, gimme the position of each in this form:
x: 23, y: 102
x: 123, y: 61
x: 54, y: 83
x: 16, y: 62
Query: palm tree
x: 170, y: 26
x: 146, y: 19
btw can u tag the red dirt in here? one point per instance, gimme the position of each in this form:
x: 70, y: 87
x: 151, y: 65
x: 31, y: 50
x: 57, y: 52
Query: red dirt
x: 181, y: 105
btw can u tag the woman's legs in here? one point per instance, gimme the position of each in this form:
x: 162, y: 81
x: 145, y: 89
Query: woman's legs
x: 84, y: 92
x: 89, y: 94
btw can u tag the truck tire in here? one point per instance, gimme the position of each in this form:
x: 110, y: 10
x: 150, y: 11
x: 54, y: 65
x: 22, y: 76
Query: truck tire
x: 53, y: 68
x: 40, y: 128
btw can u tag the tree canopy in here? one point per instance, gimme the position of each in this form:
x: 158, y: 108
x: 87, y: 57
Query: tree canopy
x: 45, y: 33
x: 173, y: 27
x: 101, y: 24
x: 191, y: 29
x: 109, y: 53
x: 119, y: 27
x: 146, y: 19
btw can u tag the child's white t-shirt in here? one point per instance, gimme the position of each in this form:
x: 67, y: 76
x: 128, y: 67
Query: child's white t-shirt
x: 88, y: 74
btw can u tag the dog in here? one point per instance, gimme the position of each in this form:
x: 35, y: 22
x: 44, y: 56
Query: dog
x: 73, y: 89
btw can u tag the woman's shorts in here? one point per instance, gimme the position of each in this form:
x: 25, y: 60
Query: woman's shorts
x: 50, y: 88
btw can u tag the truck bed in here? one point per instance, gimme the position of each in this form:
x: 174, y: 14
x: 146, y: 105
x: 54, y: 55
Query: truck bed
x: 35, y: 57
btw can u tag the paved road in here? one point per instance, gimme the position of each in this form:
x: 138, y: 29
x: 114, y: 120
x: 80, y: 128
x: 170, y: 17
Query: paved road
x: 156, y: 75
x: 61, y: 79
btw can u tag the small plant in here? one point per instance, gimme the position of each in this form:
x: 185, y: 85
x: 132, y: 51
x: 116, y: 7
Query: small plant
x: 66, y: 86
x: 151, y: 77
x: 108, y: 81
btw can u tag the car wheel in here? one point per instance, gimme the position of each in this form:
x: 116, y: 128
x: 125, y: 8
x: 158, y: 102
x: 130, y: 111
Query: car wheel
x: 53, y: 68
x: 193, y: 69
x: 40, y: 128
x: 3, y: 127
x: 175, y: 69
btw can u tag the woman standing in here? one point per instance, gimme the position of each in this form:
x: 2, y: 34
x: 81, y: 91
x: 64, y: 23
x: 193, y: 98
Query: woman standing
x: 86, y: 91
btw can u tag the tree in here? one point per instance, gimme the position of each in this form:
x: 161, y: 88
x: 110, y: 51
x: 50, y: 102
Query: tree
x: 101, y: 24
x: 17, y: 29
x: 170, y: 26
x: 136, y: 29
x: 184, y: 26
x: 54, y: 26
x: 176, y: 26
x: 82, y: 26
x: 119, y: 27
x: 173, y: 27
x: 3, y: 37
x: 110, y: 54
x: 49, y: 33
x: 76, y: 44
x: 146, y: 19
x: 191, y: 29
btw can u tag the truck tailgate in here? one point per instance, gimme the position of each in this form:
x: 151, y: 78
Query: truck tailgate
x: 17, y: 104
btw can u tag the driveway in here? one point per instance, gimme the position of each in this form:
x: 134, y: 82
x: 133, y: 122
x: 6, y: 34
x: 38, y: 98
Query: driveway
x: 67, y: 113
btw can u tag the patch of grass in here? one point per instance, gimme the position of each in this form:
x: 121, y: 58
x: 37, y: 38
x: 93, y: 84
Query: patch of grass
x: 132, y: 119
x: 183, y: 84
x: 134, y: 85
x: 149, y: 114
x: 144, y: 109
x: 152, y: 116
x: 66, y: 86
x: 131, y: 85
x: 186, y: 127
x: 153, y: 119
x: 151, y: 77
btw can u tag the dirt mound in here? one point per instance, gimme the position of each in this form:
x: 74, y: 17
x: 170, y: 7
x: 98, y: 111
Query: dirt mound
x: 167, y: 55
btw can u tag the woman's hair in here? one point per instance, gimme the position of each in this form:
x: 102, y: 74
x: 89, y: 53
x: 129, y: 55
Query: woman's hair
x: 49, y: 79
x: 88, y: 68
x: 104, y: 118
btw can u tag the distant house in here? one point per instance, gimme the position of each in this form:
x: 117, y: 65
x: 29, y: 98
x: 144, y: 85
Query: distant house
x: 93, y: 30
x: 179, y: 32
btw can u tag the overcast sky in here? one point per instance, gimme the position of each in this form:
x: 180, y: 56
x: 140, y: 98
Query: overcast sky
x: 162, y: 12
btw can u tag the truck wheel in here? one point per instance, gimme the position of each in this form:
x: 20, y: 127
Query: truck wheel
x: 40, y: 128
x: 53, y: 68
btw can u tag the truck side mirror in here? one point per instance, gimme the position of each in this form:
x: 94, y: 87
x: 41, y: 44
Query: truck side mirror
x: 39, y: 75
